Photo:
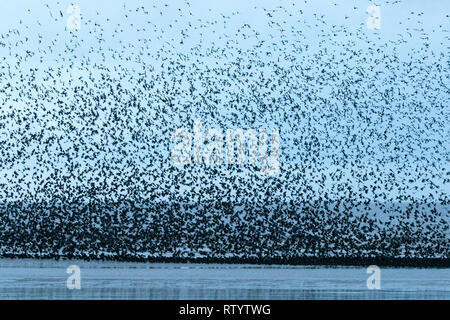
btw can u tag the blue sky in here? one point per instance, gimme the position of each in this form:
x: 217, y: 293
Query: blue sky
x: 410, y: 20
x: 396, y: 16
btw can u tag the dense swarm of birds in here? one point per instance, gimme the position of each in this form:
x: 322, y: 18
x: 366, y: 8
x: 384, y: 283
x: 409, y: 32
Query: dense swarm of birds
x: 87, y: 115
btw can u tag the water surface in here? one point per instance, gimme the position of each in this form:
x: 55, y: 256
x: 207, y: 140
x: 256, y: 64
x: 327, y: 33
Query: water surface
x: 46, y: 279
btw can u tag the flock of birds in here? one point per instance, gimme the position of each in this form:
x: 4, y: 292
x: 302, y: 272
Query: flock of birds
x: 87, y: 116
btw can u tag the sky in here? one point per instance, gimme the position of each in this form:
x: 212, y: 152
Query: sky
x: 409, y: 20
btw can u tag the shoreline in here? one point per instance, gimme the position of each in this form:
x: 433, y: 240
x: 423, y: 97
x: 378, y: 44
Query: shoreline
x: 295, y: 261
